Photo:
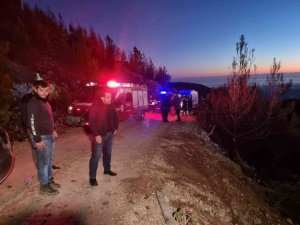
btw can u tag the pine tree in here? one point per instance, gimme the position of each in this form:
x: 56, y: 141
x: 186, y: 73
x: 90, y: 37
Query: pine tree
x: 238, y: 110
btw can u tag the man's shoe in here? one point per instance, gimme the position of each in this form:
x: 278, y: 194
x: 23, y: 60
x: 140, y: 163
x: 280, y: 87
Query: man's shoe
x: 54, y: 184
x: 110, y: 173
x: 48, y: 190
x: 93, y: 182
x: 55, y: 167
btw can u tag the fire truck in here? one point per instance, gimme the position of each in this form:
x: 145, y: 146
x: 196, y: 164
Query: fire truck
x: 128, y: 98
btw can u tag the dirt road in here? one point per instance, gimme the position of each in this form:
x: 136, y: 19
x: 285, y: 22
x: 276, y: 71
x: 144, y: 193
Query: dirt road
x: 147, y: 155
x: 78, y: 202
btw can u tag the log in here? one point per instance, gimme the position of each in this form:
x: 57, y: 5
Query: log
x: 165, y: 208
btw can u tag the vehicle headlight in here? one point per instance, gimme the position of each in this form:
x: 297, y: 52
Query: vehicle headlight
x: 70, y: 109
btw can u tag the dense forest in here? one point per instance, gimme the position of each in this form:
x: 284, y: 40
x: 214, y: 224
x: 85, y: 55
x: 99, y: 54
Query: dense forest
x: 42, y: 42
x: 34, y: 41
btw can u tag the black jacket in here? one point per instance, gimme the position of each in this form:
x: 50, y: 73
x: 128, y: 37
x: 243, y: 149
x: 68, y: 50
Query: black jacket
x: 103, y: 118
x: 23, y: 110
x: 40, y: 117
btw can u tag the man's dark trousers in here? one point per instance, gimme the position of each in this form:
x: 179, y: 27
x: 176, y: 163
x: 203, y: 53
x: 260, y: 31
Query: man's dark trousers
x: 106, y: 147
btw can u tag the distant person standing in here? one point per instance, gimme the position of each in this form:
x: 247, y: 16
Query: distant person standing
x: 54, y: 107
x: 177, y: 106
x: 104, y: 122
x: 165, y: 107
x: 42, y: 135
x: 185, y: 105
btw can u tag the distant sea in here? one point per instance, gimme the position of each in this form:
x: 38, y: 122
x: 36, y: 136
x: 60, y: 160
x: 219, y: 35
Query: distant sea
x: 216, y: 81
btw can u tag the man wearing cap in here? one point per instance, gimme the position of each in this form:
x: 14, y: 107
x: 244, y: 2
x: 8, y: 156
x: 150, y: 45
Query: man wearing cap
x: 42, y: 135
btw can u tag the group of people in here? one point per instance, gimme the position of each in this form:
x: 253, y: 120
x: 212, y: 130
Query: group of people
x: 103, y: 124
x: 187, y: 105
x: 184, y: 105
x: 103, y: 120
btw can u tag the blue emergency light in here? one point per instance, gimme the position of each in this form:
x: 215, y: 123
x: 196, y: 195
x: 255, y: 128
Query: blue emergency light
x: 185, y: 92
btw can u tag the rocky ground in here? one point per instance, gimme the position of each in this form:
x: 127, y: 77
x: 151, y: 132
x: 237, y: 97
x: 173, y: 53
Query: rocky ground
x: 202, y: 185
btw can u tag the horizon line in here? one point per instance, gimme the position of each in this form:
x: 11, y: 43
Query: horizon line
x: 223, y: 75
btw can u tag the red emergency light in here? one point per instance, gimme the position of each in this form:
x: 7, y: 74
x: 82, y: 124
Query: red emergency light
x: 113, y: 84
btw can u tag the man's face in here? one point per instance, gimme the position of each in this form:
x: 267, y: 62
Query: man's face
x: 42, y: 92
x: 107, y: 98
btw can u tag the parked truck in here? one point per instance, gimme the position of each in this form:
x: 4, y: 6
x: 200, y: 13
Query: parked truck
x: 129, y: 99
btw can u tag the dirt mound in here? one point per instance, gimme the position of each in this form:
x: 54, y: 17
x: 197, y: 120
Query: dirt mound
x: 202, y: 185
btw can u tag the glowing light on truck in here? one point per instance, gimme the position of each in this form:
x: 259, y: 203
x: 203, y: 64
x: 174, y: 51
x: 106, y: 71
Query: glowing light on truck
x: 70, y: 108
x: 113, y: 84
x: 91, y: 84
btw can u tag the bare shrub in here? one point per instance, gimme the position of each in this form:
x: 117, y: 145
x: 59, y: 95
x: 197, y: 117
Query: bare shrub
x: 238, y: 110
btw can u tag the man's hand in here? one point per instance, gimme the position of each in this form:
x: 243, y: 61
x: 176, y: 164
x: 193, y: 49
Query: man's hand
x: 98, y: 139
x: 55, y: 135
x: 39, y: 145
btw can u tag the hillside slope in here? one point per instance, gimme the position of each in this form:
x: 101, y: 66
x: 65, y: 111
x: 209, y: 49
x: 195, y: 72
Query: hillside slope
x: 207, y: 186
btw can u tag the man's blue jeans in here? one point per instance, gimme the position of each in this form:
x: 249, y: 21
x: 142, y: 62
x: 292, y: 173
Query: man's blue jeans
x: 44, y: 158
x: 106, y: 147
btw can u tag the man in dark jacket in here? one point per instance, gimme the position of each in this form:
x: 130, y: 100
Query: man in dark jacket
x: 103, y: 121
x: 24, y: 122
x: 177, y: 106
x: 42, y: 135
x: 165, y: 106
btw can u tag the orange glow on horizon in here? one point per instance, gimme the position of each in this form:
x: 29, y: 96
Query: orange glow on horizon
x: 260, y: 70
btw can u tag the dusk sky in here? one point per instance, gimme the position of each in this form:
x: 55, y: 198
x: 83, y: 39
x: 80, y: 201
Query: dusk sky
x: 193, y: 38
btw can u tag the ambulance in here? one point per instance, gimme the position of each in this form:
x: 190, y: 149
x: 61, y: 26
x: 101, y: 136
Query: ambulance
x: 129, y: 99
